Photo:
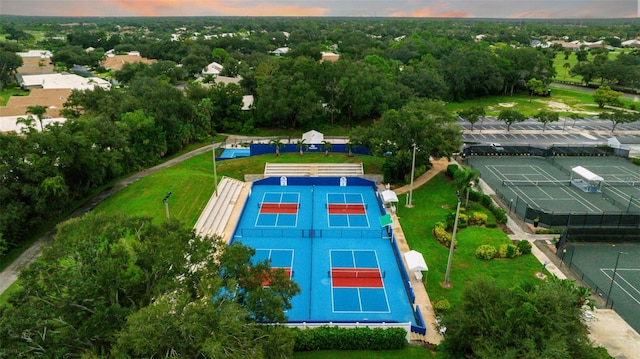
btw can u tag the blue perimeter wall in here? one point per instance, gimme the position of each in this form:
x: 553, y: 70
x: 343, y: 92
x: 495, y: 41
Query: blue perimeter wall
x: 262, y: 149
x: 421, y: 328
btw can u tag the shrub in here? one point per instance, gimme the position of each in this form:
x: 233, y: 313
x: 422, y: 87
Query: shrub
x: 524, y: 247
x: 329, y: 338
x: 479, y: 218
x: 463, y: 220
x: 486, y: 251
x: 491, y: 224
x: 440, y: 306
x: 452, y: 169
x: 508, y: 251
x: 441, y: 234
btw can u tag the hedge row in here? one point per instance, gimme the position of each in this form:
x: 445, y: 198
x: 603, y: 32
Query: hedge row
x: 483, y: 199
x: 336, y: 338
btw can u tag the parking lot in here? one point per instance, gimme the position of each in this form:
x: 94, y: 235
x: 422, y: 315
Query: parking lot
x: 565, y: 131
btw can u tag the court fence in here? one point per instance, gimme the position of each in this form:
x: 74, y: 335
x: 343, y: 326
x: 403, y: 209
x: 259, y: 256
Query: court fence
x: 543, y: 151
x: 628, y: 217
x: 568, y: 260
x: 565, y: 250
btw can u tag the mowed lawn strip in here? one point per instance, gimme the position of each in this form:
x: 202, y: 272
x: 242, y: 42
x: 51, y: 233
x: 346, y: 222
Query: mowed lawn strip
x: 417, y: 224
x: 191, y: 183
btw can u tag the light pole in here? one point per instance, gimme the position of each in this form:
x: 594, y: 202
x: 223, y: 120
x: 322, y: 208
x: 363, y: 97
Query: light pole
x: 613, y: 278
x: 166, y: 205
x: 215, y: 174
x: 453, y: 241
x: 466, y: 204
x: 413, y: 170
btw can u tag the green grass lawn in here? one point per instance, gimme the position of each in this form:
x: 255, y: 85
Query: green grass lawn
x: 9, y: 91
x: 563, y: 101
x: 191, y: 183
x: 432, y: 203
x: 562, y: 72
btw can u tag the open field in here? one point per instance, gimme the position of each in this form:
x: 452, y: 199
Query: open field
x: 191, y: 183
x: 562, y: 101
x: 562, y: 73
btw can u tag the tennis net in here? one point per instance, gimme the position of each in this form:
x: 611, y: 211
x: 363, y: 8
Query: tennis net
x: 522, y: 183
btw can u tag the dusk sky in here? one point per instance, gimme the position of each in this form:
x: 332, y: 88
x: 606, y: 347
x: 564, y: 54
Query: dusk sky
x: 559, y: 9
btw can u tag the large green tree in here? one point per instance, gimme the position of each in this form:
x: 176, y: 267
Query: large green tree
x: 510, y: 116
x: 114, y: 281
x: 604, y: 96
x: 427, y: 124
x: 534, y: 321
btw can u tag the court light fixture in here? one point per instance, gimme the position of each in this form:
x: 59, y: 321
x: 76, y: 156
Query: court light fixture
x: 613, y: 278
x: 413, y: 171
x: 453, y: 241
x: 215, y: 173
x: 166, y: 205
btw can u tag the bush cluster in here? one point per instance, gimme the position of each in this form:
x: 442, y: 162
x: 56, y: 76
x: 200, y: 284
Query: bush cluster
x: 485, y: 201
x: 486, y: 251
x: 524, y: 247
x: 441, y: 234
x: 336, y: 338
x: 440, y: 306
x: 478, y: 218
x: 508, y: 251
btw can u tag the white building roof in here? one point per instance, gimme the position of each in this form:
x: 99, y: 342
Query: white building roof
x: 43, y: 54
x: 213, y: 68
x: 586, y: 174
x: 64, y: 81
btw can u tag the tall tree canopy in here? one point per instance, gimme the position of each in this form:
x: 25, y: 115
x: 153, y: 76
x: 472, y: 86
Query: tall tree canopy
x: 119, y: 282
x: 541, y: 321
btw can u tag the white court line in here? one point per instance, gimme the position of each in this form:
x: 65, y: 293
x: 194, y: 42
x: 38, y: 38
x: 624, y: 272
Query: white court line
x: 618, y: 275
x: 585, y: 203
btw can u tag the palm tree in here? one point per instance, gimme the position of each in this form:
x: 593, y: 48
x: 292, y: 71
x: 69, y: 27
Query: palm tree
x: 327, y: 147
x: 38, y: 111
x: 278, y: 143
x: 302, y: 146
x: 348, y: 146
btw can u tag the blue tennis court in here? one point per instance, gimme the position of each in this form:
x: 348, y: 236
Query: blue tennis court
x: 335, y: 250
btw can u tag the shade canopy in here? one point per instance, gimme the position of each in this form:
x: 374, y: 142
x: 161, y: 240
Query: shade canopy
x: 586, y: 174
x: 389, y: 196
x: 415, y: 261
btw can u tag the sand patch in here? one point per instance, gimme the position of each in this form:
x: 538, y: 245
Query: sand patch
x: 507, y: 104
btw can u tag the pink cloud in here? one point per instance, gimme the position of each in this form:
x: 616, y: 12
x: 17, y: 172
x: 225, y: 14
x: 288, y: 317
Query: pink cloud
x: 197, y: 7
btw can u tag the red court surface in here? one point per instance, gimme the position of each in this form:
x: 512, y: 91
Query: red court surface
x: 361, y: 278
x: 335, y: 208
x: 279, y: 208
x: 267, y: 281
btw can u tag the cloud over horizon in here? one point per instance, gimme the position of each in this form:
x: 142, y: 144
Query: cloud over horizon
x: 562, y: 9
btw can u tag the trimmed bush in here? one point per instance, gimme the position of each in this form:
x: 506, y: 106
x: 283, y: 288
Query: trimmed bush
x: 524, y: 247
x: 486, y: 251
x: 441, y: 234
x: 440, y: 306
x: 336, y: 338
x: 508, y: 251
x: 478, y: 218
x: 452, y: 169
x: 491, y: 224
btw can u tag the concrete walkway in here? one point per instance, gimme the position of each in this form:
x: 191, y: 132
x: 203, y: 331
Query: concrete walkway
x: 422, y: 297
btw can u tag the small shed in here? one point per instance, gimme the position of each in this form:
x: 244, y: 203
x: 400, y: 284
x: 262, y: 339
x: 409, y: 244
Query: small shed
x: 313, y: 137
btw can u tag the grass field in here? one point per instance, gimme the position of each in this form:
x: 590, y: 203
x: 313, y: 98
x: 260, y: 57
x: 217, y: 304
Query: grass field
x: 191, y: 183
x: 433, y: 201
x: 563, y: 101
x: 562, y: 73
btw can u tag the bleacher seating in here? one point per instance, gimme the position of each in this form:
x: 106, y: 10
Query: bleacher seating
x: 216, y: 214
x: 314, y: 169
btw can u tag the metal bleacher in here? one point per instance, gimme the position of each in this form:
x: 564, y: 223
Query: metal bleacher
x: 216, y: 213
x: 314, y: 169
